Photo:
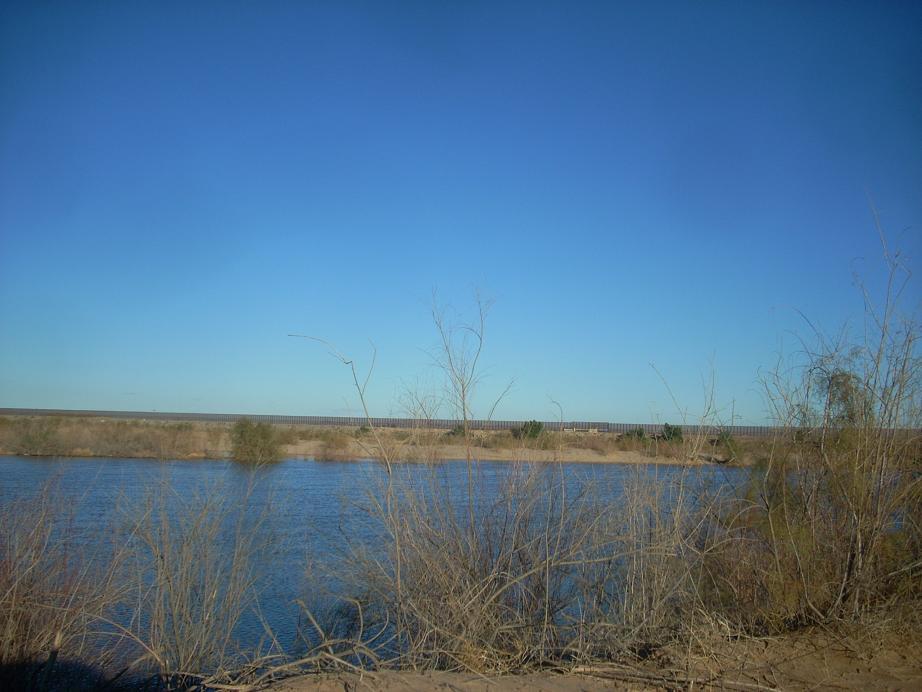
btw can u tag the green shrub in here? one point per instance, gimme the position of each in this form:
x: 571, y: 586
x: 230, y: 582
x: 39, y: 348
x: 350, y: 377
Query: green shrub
x: 531, y: 430
x: 255, y: 443
x: 635, y: 434
x: 672, y: 433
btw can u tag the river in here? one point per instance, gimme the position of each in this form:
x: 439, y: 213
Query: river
x: 304, y: 511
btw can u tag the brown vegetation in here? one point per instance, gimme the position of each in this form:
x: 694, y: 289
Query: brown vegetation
x: 669, y: 580
x: 98, y: 437
x: 825, y: 537
x: 155, y: 607
x: 197, y: 559
x: 51, y: 600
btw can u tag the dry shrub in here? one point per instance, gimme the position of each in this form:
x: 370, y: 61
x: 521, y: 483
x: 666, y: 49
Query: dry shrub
x: 530, y: 571
x: 336, y: 446
x: 534, y: 572
x: 654, y: 447
x: 829, y: 527
x: 551, y: 569
x: 414, y: 453
x: 54, y: 598
x: 53, y: 436
x: 311, y: 433
x: 36, y: 436
x: 603, y: 443
x: 499, y: 439
x: 167, y: 590
x: 198, y: 560
x: 657, y: 524
x: 286, y: 434
x: 181, y: 574
x: 492, y: 592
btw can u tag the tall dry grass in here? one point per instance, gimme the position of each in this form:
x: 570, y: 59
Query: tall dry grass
x: 151, y: 600
x: 535, y: 571
x: 198, y: 560
x: 65, y: 436
x: 489, y: 599
x: 58, y: 588
x: 538, y: 568
x: 825, y: 531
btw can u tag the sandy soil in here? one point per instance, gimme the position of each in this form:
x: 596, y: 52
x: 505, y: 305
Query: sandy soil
x: 100, y: 437
x: 807, y: 661
x: 314, y: 449
x: 418, y: 682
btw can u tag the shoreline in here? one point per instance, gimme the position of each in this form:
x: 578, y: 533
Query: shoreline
x: 37, y: 436
x: 627, y: 459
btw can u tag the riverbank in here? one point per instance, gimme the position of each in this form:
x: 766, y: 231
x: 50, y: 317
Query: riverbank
x: 714, y: 608
x: 812, y: 659
x: 101, y: 437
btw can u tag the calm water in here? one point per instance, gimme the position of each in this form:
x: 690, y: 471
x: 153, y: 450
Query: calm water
x: 309, y: 509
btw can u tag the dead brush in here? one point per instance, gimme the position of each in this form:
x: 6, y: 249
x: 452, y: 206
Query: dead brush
x: 336, y: 446
x: 501, y: 598
x: 536, y: 570
x: 197, y: 559
x: 53, y: 599
x: 558, y: 571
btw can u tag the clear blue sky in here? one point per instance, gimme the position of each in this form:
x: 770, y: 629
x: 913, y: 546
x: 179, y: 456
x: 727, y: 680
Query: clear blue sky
x: 184, y: 184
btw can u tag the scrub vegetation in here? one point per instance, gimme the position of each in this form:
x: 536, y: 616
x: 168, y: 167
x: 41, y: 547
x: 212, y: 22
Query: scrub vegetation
x: 660, y: 582
x: 255, y: 443
x: 100, y: 437
x: 251, y: 442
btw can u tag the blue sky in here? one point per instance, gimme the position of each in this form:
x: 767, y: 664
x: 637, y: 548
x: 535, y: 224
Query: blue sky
x: 184, y: 184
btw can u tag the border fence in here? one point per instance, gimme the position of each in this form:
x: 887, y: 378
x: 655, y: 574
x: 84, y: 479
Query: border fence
x: 412, y: 423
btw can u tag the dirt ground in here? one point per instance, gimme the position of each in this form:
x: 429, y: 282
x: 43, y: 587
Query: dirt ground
x: 101, y: 437
x: 805, y: 662
x: 418, y: 682
x: 316, y: 449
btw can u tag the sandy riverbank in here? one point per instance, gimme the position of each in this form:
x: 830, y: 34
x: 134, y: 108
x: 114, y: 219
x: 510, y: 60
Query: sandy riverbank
x: 100, y: 437
x: 456, y: 452
x: 811, y: 659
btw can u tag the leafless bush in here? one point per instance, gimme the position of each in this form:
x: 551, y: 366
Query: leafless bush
x: 535, y: 570
x: 54, y: 596
x: 825, y: 529
x: 496, y: 600
x: 197, y: 560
